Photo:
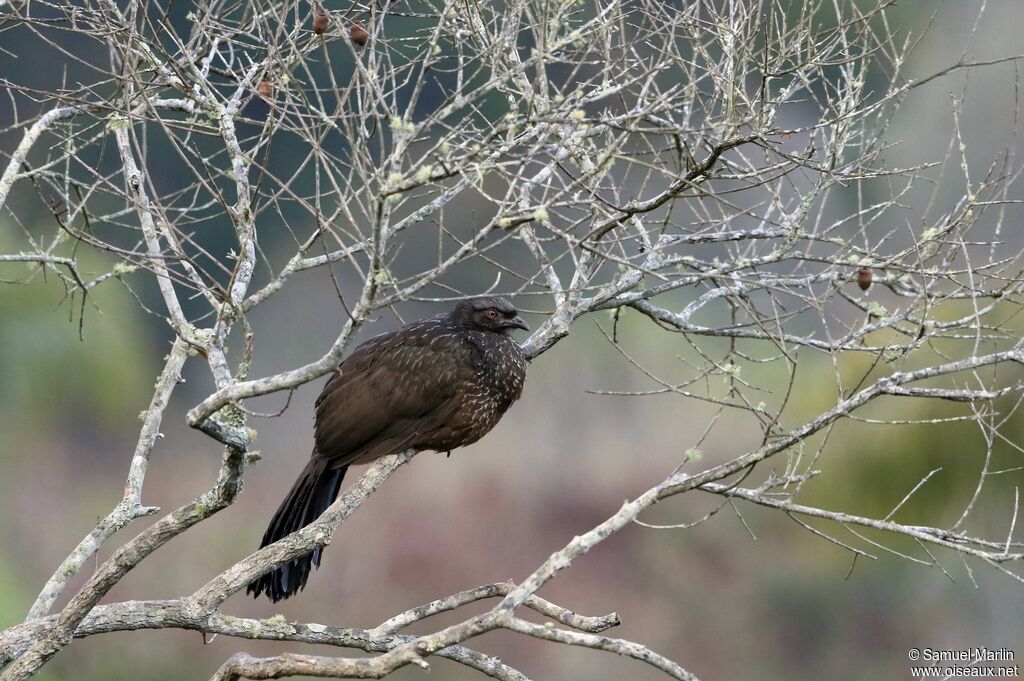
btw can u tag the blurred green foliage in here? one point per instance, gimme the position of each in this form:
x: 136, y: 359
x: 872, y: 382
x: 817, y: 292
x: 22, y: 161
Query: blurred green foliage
x: 49, y: 371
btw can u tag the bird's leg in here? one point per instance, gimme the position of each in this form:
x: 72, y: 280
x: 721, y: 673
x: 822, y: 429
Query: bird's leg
x: 448, y: 454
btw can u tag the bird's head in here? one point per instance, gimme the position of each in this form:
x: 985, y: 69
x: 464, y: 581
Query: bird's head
x: 489, y: 313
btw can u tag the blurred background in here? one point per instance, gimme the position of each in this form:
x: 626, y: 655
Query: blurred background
x: 774, y: 602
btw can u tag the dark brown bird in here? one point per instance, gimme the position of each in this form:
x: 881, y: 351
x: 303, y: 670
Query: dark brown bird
x: 864, y: 278
x: 321, y: 19
x: 358, y: 34
x: 438, y: 383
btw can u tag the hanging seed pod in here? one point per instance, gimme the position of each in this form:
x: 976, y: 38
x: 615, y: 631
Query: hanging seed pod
x: 864, y: 278
x: 358, y: 35
x: 264, y: 89
x: 320, y: 20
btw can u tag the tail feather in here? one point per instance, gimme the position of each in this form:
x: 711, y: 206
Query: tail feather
x: 315, y: 489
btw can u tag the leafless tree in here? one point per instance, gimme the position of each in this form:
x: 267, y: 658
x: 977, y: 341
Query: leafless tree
x: 719, y: 168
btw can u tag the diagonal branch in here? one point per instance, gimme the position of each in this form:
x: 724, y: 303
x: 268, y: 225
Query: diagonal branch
x: 130, y: 507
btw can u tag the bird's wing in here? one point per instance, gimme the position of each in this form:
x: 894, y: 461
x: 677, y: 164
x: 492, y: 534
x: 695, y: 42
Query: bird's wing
x: 391, y: 389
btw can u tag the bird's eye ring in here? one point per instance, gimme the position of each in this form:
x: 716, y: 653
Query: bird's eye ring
x: 493, y: 314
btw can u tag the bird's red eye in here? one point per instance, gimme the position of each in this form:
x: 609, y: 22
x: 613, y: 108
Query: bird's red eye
x: 493, y: 314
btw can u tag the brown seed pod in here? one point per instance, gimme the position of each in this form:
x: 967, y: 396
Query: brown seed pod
x: 265, y: 90
x: 358, y: 34
x: 320, y: 20
x: 864, y: 278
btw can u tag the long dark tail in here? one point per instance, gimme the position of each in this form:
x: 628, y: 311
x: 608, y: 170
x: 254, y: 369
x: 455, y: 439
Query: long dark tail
x: 315, y: 490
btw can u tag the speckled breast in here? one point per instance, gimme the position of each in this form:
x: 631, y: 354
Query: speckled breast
x: 497, y: 383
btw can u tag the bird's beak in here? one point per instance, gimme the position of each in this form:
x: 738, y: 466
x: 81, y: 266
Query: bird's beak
x: 519, y: 323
